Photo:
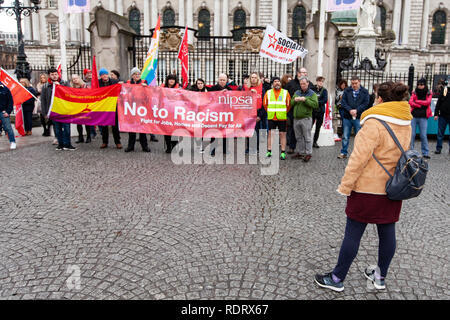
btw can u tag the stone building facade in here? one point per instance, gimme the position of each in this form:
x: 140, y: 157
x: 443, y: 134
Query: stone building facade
x: 417, y: 30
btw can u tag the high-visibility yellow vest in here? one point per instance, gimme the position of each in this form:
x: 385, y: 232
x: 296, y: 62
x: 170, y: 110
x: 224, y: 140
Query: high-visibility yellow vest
x: 277, y: 106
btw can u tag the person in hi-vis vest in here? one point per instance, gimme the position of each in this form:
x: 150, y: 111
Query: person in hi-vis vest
x: 277, y: 103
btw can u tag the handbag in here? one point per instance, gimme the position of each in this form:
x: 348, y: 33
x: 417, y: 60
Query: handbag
x: 410, y: 173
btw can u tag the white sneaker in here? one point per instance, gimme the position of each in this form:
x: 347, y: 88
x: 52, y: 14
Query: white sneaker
x: 55, y: 142
x: 13, y: 146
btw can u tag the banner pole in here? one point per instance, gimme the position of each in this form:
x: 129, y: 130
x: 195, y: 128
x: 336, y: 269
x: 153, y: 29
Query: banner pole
x: 323, y: 8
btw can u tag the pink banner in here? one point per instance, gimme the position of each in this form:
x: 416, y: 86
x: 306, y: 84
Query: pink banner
x: 179, y: 112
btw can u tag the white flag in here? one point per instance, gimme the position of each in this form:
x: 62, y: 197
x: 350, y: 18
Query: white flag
x: 279, y: 47
x: 343, y: 5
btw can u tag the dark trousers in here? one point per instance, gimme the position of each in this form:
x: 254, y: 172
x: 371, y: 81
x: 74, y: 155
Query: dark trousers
x: 142, y: 140
x: 28, y: 120
x: 80, y: 131
x: 291, y: 140
x: 46, y: 124
x: 354, y: 230
x: 115, y: 130
x: 442, y: 125
x: 317, y: 117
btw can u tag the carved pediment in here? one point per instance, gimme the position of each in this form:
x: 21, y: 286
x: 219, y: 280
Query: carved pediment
x: 170, y: 40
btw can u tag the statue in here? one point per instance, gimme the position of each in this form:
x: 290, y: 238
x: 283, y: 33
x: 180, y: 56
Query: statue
x: 366, y: 17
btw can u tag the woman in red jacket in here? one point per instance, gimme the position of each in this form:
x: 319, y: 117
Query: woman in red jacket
x: 420, y: 102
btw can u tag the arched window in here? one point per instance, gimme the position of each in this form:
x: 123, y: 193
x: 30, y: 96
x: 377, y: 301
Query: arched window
x: 439, y: 27
x: 380, y: 20
x: 204, y: 23
x: 168, y: 17
x: 239, y: 21
x: 134, y: 19
x: 298, y: 21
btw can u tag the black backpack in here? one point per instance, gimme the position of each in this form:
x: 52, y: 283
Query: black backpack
x: 410, y: 174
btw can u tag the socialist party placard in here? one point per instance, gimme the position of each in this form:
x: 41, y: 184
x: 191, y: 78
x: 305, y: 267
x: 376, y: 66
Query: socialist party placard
x: 278, y: 47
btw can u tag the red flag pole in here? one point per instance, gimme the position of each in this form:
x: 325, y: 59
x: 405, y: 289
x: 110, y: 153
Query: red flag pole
x: 94, y: 80
x: 183, y: 55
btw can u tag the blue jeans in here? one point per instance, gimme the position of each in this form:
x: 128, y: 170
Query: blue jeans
x: 347, y: 125
x: 354, y: 231
x: 6, y: 124
x: 62, y: 132
x: 422, y: 122
x: 442, y: 125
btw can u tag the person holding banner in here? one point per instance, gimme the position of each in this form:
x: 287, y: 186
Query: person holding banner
x: 77, y: 82
x: 256, y: 86
x: 277, y: 103
x: 171, y: 82
x: 318, y: 114
x: 43, y: 78
x: 28, y: 106
x: 62, y: 130
x: 136, y: 79
x: 6, y: 107
x: 304, y: 102
x: 105, y: 81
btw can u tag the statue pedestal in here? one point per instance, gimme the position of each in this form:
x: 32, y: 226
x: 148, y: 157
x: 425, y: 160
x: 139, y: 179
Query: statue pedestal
x: 366, y: 46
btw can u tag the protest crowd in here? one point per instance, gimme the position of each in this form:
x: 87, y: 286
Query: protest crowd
x: 292, y: 105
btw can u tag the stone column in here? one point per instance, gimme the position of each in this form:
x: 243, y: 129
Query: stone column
x: 275, y: 14
x: 181, y: 20
x: 146, y: 18
x: 284, y: 17
x: 120, y: 7
x: 314, y: 8
x: 396, y: 18
x: 112, y: 5
x: 86, y: 22
x: 216, y: 18
x: 154, y: 13
x: 253, y: 13
x: 27, y: 24
x: 190, y: 20
x: 225, y: 9
x: 36, y: 27
x: 424, y: 32
x: 405, y: 21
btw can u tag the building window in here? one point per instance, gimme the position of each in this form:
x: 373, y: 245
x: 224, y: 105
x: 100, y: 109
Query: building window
x: 135, y: 20
x: 298, y: 21
x: 380, y: 20
x: 53, y: 27
x: 429, y: 68
x: 239, y: 21
x: 51, y: 60
x: 443, y: 69
x: 438, y: 27
x: 204, y: 23
x: 168, y: 17
x: 52, y: 3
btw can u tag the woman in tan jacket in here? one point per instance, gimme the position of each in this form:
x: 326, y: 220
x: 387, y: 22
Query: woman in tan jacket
x: 364, y: 184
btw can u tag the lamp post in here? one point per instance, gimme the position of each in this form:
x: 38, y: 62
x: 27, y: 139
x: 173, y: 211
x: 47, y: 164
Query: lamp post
x: 17, y: 10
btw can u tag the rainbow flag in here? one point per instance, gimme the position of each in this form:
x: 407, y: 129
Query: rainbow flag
x: 151, y: 63
x: 93, y: 107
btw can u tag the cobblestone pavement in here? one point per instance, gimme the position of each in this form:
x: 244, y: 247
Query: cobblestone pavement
x: 136, y: 226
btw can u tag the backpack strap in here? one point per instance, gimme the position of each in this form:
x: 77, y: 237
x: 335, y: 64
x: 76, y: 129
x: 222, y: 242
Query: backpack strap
x: 394, y: 137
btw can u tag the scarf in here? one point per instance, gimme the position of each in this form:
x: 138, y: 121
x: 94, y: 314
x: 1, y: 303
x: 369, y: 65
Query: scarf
x: 397, y: 112
x: 422, y: 93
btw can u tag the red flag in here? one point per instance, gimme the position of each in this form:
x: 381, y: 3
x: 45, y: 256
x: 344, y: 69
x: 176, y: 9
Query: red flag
x: 19, y: 93
x: 18, y: 123
x: 183, y: 55
x: 94, y: 80
x: 59, y: 70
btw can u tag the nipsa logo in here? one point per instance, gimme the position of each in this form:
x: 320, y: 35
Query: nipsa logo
x: 241, y: 102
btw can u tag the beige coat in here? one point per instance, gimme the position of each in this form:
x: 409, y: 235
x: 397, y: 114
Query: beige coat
x: 363, y: 174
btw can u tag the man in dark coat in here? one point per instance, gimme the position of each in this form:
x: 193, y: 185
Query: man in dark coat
x: 355, y: 101
x: 105, y: 81
x: 6, y: 107
x: 442, y: 114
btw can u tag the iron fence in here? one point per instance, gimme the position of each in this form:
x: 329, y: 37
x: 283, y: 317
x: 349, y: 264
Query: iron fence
x: 210, y: 56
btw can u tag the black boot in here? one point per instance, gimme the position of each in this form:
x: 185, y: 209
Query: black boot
x: 315, y: 145
x: 80, y: 140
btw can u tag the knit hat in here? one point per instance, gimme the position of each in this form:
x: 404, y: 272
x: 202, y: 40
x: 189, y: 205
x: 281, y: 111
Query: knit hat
x: 134, y: 70
x: 103, y: 71
x: 86, y: 71
x: 275, y: 78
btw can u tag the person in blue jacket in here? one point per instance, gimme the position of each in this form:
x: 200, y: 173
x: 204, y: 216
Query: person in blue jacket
x: 355, y: 101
